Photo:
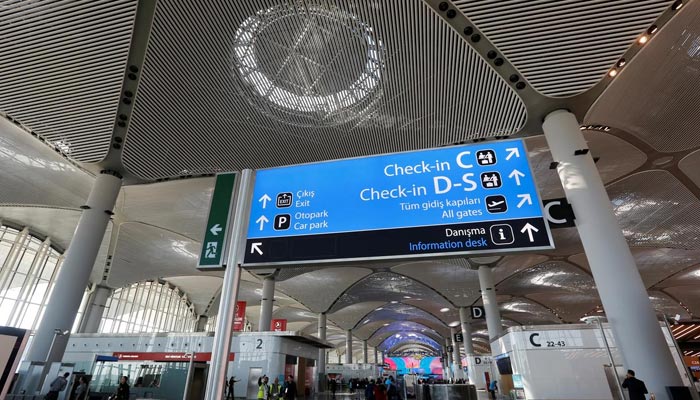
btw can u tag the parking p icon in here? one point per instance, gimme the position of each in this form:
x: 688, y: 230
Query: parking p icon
x: 282, y: 222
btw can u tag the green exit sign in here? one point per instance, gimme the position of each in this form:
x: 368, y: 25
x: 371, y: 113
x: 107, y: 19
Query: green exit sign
x: 214, y: 243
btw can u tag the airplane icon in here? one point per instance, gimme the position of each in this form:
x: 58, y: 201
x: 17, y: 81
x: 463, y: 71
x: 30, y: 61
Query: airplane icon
x: 496, y: 204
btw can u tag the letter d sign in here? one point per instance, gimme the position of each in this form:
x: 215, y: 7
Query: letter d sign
x: 477, y: 312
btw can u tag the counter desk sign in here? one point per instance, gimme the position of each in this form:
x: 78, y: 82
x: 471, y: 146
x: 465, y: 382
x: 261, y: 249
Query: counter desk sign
x: 468, y: 200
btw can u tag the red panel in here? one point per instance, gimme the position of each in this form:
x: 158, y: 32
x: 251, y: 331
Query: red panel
x: 278, y: 325
x: 239, y: 318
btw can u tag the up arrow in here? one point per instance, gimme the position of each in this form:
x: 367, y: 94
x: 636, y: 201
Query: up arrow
x: 264, y: 199
x: 216, y: 229
x: 512, y: 151
x: 529, y: 228
x: 516, y: 175
x: 525, y: 198
x: 262, y: 220
x: 255, y: 248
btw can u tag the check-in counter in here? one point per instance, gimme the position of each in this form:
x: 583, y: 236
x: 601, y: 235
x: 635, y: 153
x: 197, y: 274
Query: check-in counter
x: 446, y: 392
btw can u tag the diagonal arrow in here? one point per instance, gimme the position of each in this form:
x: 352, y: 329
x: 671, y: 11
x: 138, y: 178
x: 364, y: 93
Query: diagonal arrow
x: 264, y: 199
x: 529, y: 228
x: 262, y: 220
x: 255, y: 248
x: 512, y: 151
x: 516, y: 175
x: 525, y: 198
x: 216, y: 229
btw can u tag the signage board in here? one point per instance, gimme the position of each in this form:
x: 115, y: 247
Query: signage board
x: 220, y: 209
x: 559, y: 213
x: 469, y: 199
x: 278, y: 325
x: 458, y: 337
x: 477, y: 312
x: 164, y: 356
x: 239, y: 316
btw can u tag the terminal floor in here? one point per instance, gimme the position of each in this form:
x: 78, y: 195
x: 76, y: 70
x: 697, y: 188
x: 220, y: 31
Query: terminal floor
x: 354, y: 396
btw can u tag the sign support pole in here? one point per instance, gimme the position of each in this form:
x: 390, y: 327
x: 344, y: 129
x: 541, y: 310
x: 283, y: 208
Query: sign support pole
x: 456, y: 355
x: 488, y: 295
x: 229, y: 293
x: 626, y: 302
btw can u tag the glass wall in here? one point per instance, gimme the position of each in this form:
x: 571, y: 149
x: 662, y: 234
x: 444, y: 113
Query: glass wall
x: 28, y: 267
x: 148, y: 307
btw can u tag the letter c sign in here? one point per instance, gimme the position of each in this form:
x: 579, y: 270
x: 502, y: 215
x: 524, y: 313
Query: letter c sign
x: 532, y: 340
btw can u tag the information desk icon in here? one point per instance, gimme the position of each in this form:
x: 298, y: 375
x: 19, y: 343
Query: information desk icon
x: 284, y: 200
x: 491, y: 180
x: 486, y: 157
x: 502, y: 234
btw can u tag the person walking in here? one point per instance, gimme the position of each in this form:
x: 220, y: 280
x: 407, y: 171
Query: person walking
x: 636, y: 388
x: 276, y: 390
x: 334, y: 386
x: 263, y: 388
x: 290, y: 389
x: 493, y: 388
x: 58, y: 385
x: 123, y: 389
x: 231, y: 384
x: 81, y: 391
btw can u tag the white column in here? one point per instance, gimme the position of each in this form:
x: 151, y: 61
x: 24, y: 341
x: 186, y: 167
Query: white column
x: 456, y: 356
x: 95, y: 310
x: 488, y: 296
x: 74, y: 274
x: 632, y: 318
x: 365, y: 352
x: 465, y: 322
x: 376, y: 356
x: 268, y: 297
x: 449, y: 360
x: 340, y: 359
x: 321, y: 370
x: 348, y: 347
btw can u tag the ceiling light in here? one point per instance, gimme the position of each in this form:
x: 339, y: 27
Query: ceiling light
x: 406, y: 297
x: 612, y: 72
x: 621, y: 63
x: 386, y: 324
x: 643, y: 39
x: 394, y: 302
x: 677, y: 5
x: 652, y: 29
x: 379, y: 309
x: 453, y: 324
x: 444, y: 309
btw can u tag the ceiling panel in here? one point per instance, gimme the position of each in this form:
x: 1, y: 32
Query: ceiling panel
x: 510, y: 265
x: 348, y: 317
x: 654, y: 264
x: 62, y: 67
x: 180, y: 206
x: 655, y: 96
x: 655, y: 209
x: 570, y: 306
x: 528, y: 313
x: 549, y: 277
x: 688, y: 295
x: 665, y: 305
x: 387, y: 286
x: 689, y: 276
x: 690, y: 165
x: 34, y: 174
x: 562, y: 47
x: 147, y: 252
x: 566, y: 242
x: 401, y: 312
x: 616, y: 158
x: 199, y: 289
x: 294, y: 82
x: 318, y: 290
x: 457, y: 283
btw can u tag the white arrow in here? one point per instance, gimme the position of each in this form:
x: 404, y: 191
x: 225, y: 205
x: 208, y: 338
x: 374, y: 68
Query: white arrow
x: 517, y: 175
x: 512, y: 151
x: 262, y: 220
x: 255, y: 247
x: 216, y: 229
x: 264, y: 199
x: 529, y: 228
x: 525, y: 198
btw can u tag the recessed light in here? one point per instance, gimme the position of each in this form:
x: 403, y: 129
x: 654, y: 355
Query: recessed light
x: 453, y: 324
x: 612, y: 73
x: 406, y: 297
x: 386, y: 324
x: 444, y: 309
x: 394, y: 302
x: 643, y: 39
x: 378, y: 309
x: 677, y: 5
x: 652, y: 29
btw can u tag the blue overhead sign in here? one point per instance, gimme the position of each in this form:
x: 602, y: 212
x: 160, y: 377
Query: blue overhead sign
x: 463, y: 199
